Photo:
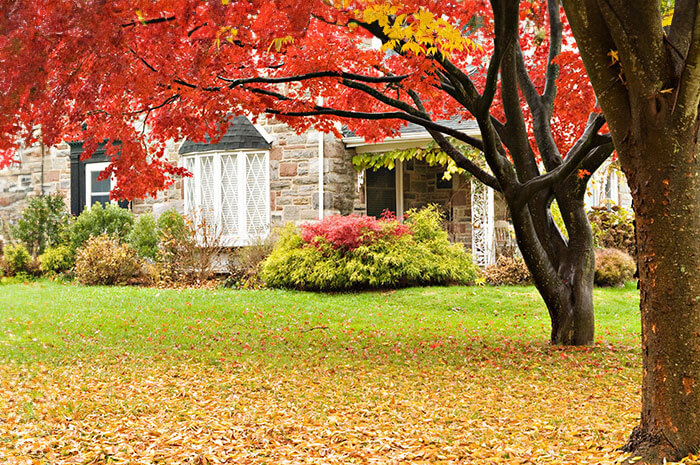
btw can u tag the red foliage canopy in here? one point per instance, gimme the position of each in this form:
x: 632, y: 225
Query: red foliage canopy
x: 103, y: 70
x: 351, y: 231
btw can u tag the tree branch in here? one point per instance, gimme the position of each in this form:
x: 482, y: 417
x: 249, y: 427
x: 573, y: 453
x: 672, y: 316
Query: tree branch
x: 555, y: 39
x: 595, y: 42
x: 316, y: 75
x: 588, y: 142
x: 689, y: 86
x: 149, y: 21
x: 454, y: 153
x: 320, y: 110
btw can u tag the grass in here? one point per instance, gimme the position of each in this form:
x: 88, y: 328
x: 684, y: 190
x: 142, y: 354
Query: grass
x: 452, y: 374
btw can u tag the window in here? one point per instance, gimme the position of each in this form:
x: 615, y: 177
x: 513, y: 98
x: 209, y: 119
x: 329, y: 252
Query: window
x: 232, y: 191
x: 96, y: 191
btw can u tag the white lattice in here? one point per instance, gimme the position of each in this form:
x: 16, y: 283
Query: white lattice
x: 190, y: 200
x: 482, y: 223
x: 256, y: 195
x: 208, y: 183
x: 229, y: 194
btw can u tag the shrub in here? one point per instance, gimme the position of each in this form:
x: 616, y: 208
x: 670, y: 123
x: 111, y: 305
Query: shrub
x: 245, y: 262
x: 96, y: 221
x: 16, y: 259
x: 143, y: 237
x: 350, y: 232
x: 58, y: 259
x: 104, y: 260
x: 42, y: 224
x: 187, y: 248
x: 613, y: 267
x: 174, y: 258
x: 613, y: 228
x: 394, y: 255
x: 508, y: 271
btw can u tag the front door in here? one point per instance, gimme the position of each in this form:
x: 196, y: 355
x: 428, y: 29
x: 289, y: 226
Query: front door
x: 380, y: 190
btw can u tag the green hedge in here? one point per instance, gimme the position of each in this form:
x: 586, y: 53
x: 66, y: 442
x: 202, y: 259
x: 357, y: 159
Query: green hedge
x: 422, y: 257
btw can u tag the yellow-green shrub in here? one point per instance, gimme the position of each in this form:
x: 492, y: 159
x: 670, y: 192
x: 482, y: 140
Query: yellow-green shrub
x: 16, y: 259
x: 56, y: 259
x: 422, y: 257
x: 104, y: 260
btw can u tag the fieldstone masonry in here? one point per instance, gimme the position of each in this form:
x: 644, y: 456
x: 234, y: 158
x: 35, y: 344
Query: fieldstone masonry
x: 294, y: 192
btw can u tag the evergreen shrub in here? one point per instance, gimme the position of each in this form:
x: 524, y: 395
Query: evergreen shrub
x: 111, y: 220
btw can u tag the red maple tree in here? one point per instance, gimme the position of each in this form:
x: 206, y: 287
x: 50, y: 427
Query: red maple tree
x: 143, y: 72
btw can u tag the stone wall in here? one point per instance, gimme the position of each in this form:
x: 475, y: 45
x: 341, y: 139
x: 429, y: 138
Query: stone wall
x: 423, y: 184
x: 21, y: 181
x: 294, y: 164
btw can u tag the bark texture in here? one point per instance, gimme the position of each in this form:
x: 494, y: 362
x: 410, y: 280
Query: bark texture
x: 666, y: 195
x: 651, y: 101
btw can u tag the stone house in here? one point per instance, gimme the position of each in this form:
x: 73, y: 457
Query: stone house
x: 261, y: 176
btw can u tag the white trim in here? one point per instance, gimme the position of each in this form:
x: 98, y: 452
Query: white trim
x: 263, y: 132
x: 89, y: 169
x: 394, y: 143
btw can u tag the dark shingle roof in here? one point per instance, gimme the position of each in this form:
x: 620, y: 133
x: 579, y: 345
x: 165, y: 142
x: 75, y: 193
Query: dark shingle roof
x: 412, y: 128
x: 241, y: 134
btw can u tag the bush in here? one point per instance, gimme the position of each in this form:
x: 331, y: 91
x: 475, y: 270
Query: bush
x: 350, y: 232
x: 16, y: 259
x: 390, y: 255
x: 176, y: 242
x: 245, y: 262
x: 58, y: 259
x: 613, y: 267
x: 96, y: 221
x: 143, y: 237
x: 508, y: 271
x: 43, y: 223
x: 613, y: 228
x: 188, y: 248
x: 104, y: 260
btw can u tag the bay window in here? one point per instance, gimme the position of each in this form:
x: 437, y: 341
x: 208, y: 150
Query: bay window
x: 231, y: 190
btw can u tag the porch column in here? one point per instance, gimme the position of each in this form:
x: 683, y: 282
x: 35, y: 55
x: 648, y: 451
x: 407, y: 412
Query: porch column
x: 482, y: 205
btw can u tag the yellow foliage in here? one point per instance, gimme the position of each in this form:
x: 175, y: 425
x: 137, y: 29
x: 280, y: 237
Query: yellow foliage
x: 419, y: 33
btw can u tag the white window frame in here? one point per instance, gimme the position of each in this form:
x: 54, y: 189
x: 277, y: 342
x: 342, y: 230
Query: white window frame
x: 89, y: 169
x: 241, y: 236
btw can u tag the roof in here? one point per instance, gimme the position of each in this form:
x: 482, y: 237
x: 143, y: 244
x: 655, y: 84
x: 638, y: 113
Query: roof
x: 413, y: 128
x: 409, y: 136
x: 241, y: 134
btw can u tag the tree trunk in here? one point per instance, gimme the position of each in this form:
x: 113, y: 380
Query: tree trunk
x: 664, y: 175
x: 564, y: 279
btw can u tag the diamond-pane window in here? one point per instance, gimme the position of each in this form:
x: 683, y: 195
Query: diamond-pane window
x: 257, y: 195
x: 229, y: 193
x: 232, y: 191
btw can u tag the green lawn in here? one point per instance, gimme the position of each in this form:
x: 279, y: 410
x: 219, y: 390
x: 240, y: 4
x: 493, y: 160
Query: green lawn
x: 451, y: 374
x: 50, y: 322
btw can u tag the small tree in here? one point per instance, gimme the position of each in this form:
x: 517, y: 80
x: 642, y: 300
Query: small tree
x: 43, y: 223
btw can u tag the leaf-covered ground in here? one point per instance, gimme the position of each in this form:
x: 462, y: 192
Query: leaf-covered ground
x: 435, y: 375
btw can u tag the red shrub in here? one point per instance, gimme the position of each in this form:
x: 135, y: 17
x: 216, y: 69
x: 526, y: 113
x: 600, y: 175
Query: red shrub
x: 349, y: 232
